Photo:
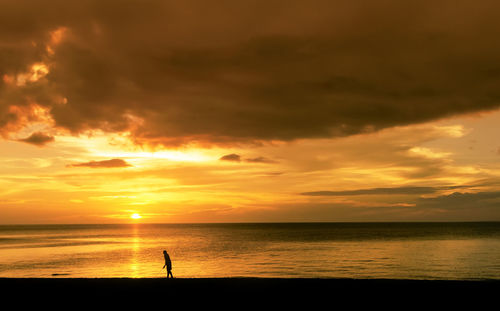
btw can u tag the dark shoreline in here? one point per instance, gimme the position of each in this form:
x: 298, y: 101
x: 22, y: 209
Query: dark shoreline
x: 278, y: 291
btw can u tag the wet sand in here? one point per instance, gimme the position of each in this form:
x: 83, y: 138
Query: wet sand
x: 224, y: 292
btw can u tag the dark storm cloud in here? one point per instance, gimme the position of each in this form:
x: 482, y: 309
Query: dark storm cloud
x: 103, y: 164
x: 38, y: 139
x: 174, y: 72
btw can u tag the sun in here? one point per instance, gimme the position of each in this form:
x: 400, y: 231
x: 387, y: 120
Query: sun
x: 135, y: 216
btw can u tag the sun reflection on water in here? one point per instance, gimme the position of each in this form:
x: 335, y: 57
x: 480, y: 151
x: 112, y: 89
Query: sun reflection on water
x: 134, y: 265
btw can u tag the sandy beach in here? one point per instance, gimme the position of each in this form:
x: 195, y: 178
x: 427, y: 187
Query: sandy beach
x: 253, y: 291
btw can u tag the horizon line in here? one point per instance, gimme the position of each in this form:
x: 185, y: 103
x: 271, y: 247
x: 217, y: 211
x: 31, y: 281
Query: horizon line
x: 263, y: 222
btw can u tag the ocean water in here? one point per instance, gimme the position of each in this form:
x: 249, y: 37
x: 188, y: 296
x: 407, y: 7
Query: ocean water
x: 305, y: 250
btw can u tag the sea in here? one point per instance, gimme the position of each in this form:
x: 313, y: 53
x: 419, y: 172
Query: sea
x: 451, y: 251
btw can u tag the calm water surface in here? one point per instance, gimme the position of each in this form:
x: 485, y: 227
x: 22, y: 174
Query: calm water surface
x: 352, y: 250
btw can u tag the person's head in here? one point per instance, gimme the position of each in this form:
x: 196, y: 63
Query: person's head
x: 164, y: 252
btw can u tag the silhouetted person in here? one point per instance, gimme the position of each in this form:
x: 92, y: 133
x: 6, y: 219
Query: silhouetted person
x: 168, y: 264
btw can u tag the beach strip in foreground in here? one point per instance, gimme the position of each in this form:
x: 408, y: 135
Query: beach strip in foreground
x: 284, y: 291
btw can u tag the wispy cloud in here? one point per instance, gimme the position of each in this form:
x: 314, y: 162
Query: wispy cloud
x: 38, y: 139
x: 233, y: 157
x: 260, y: 160
x: 102, y: 164
x: 382, y: 191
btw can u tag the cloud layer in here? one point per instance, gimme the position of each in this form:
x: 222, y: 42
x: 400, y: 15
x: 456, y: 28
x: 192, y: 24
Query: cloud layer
x: 172, y: 73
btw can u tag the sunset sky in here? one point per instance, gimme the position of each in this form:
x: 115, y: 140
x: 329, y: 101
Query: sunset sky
x: 249, y: 111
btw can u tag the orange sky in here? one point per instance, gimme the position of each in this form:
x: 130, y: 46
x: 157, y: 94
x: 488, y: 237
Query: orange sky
x: 411, y: 173
x: 248, y: 111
